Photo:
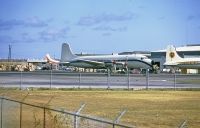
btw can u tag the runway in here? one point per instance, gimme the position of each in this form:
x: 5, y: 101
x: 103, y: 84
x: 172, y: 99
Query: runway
x: 51, y: 79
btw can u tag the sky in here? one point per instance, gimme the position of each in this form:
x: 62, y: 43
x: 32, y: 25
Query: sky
x: 36, y: 27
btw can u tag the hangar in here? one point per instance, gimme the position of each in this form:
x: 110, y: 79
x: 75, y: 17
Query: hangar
x: 188, y: 51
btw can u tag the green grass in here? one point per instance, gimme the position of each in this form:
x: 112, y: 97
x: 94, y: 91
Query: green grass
x: 148, y: 109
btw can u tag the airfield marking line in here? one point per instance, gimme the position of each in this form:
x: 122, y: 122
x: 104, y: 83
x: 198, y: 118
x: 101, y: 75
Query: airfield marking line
x: 158, y: 80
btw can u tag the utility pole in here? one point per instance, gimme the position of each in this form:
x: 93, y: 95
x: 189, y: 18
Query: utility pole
x: 10, y: 52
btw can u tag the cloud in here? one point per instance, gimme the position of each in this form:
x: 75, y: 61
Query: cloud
x: 4, y: 25
x: 29, y: 22
x: 53, y: 34
x: 5, y: 39
x: 191, y: 17
x: 106, y: 34
x: 47, y: 35
x: 25, y: 37
x: 36, y: 22
x: 104, y: 18
x: 108, y: 28
x: 161, y: 18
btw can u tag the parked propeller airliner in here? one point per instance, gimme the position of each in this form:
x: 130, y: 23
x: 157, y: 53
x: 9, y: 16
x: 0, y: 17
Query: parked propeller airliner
x: 174, y: 60
x: 102, y: 61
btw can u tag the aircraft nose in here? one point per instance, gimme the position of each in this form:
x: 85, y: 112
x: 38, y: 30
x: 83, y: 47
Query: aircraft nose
x: 152, y: 62
x: 149, y: 61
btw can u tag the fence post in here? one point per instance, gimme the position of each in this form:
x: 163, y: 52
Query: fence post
x: 20, y: 80
x: 50, y: 78
x: 175, y: 81
x: 75, y: 115
x: 147, y: 79
x: 128, y: 79
x: 20, y: 125
x: 108, y: 79
x: 21, y: 109
x: 75, y: 121
x: 119, y: 117
x: 183, y: 124
x: 79, y: 80
x: 44, y: 118
x: 1, y: 112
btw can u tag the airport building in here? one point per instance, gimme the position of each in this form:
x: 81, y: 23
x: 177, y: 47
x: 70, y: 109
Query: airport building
x: 188, y: 51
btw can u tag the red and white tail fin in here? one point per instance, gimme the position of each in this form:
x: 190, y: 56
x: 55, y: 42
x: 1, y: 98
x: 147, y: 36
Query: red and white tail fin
x: 50, y: 60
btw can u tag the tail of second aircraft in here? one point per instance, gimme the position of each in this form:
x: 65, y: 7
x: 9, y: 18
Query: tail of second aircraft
x: 172, y: 55
x: 50, y: 60
x: 66, y: 53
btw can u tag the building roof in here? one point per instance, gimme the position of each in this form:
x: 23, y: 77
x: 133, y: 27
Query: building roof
x: 184, y: 48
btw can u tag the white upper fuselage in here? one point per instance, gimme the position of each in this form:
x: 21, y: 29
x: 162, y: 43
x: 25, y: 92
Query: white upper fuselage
x: 102, y: 61
x: 185, y: 63
x: 132, y: 61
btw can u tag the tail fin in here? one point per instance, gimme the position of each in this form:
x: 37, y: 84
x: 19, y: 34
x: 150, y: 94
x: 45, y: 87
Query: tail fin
x: 50, y: 60
x: 171, y: 54
x: 66, y: 53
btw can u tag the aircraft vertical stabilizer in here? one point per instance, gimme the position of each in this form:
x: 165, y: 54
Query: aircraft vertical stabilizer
x: 172, y: 55
x: 66, y: 53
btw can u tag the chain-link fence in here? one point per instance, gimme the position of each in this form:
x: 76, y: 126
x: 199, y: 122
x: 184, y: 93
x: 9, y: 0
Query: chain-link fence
x: 51, y: 79
x: 20, y: 114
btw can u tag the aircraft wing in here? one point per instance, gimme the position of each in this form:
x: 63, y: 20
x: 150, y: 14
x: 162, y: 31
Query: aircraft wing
x: 91, y: 62
x: 64, y: 62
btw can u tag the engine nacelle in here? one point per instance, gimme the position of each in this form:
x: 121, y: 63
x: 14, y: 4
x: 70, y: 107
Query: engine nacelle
x: 120, y: 64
